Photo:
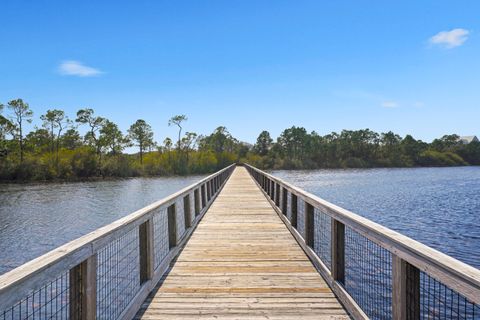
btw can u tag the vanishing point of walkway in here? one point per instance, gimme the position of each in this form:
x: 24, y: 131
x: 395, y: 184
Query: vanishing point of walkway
x: 242, y: 263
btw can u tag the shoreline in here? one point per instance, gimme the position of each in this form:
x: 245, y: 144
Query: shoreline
x: 118, y: 178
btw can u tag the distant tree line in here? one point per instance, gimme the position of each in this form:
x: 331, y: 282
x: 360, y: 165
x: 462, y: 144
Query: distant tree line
x: 55, y: 149
x: 295, y: 148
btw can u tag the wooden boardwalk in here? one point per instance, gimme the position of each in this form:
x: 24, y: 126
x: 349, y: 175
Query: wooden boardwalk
x: 242, y: 263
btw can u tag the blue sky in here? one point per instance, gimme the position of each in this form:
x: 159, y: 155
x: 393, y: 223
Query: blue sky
x: 407, y: 66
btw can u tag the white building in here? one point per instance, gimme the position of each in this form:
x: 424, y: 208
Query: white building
x: 468, y: 139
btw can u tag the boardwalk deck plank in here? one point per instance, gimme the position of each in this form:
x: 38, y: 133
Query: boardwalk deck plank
x: 242, y: 263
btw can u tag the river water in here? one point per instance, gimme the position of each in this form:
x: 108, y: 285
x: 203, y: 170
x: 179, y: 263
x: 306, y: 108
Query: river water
x: 36, y: 218
x: 436, y: 206
x: 439, y: 207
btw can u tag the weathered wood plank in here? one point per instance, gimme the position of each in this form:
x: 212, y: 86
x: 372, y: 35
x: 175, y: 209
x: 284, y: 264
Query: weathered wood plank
x: 242, y: 262
x: 453, y: 273
x: 17, y: 283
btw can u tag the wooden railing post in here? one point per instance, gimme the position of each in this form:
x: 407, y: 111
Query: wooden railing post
x: 405, y: 290
x: 285, y: 201
x: 172, y: 226
x: 146, y: 251
x: 294, y: 208
x: 204, y: 202
x: 83, y: 290
x: 277, y: 194
x: 187, y: 212
x: 272, y: 190
x: 196, y: 196
x: 309, y: 224
x: 209, y: 190
x: 338, y: 251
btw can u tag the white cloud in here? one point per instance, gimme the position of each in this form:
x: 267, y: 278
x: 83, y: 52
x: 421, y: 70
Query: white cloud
x: 389, y: 104
x: 450, y: 39
x: 76, y: 68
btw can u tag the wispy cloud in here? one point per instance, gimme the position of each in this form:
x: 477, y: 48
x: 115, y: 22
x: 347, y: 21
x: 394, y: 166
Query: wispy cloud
x: 450, y: 39
x: 389, y: 104
x: 76, y: 68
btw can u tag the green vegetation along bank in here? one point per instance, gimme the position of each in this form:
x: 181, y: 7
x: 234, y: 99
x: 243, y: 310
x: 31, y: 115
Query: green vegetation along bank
x: 56, y: 150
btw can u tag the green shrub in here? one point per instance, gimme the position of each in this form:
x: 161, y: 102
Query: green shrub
x: 439, y: 159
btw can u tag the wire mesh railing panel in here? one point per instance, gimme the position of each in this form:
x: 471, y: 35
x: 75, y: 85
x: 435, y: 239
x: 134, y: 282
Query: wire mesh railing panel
x: 322, y: 238
x: 368, y: 275
x: 117, y: 267
x: 180, y: 217
x: 160, y: 236
x: 118, y: 275
x: 301, y: 216
x: 49, y: 302
x: 437, y: 301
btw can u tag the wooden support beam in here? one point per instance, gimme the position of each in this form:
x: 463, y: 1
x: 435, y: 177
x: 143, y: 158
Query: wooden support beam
x: 285, y: 201
x: 405, y: 290
x: 272, y: 190
x: 294, y: 208
x: 209, y: 190
x: 277, y: 195
x: 187, y: 211
x: 172, y: 226
x: 309, y: 224
x: 338, y: 251
x: 204, y: 202
x: 146, y: 251
x: 83, y: 290
x: 196, y: 196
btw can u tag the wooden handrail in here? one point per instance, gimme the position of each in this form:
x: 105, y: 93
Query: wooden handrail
x: 19, y: 282
x: 458, y: 276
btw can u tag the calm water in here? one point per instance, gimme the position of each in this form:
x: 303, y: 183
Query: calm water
x: 439, y: 207
x: 36, y: 218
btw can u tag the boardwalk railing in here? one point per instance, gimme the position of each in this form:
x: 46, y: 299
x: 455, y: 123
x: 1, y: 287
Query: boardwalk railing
x: 376, y: 273
x: 108, y: 273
